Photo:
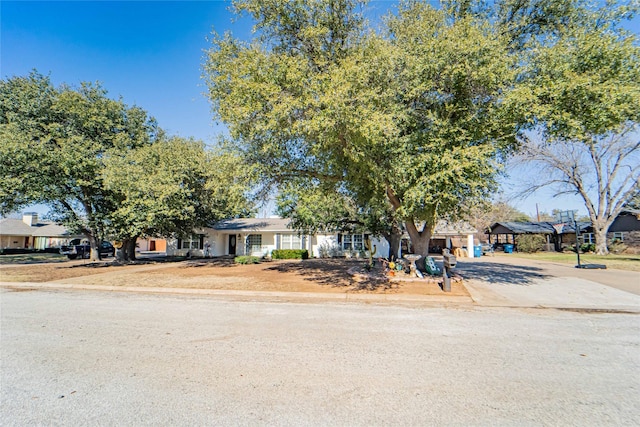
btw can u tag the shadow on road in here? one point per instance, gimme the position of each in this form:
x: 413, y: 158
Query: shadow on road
x: 501, y: 274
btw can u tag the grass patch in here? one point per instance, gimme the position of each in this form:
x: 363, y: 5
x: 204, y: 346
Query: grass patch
x: 622, y: 262
x: 37, y: 258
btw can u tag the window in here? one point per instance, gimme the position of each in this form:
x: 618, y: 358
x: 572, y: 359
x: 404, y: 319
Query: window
x: 352, y: 242
x: 254, y: 243
x: 192, y: 242
x: 290, y: 241
x: 588, y: 238
x: 618, y: 235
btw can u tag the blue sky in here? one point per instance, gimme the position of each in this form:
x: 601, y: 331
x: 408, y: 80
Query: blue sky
x: 148, y: 52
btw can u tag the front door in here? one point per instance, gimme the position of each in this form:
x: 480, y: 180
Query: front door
x: 232, y: 244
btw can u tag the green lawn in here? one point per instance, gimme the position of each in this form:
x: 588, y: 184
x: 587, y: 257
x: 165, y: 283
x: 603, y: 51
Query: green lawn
x: 622, y: 262
x: 32, y: 258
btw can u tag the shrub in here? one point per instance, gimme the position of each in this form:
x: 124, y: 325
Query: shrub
x: 588, y: 247
x: 246, y: 259
x: 290, y: 254
x: 617, y: 247
x: 530, y: 243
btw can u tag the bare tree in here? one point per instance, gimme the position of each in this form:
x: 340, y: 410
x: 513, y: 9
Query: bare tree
x: 604, y: 172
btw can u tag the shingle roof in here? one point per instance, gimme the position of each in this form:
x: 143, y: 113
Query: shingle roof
x: 442, y: 228
x: 533, y: 228
x: 253, y: 224
x: 445, y: 228
x: 17, y: 227
x: 51, y: 230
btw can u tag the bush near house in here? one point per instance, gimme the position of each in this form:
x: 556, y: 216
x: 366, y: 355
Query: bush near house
x: 530, y: 243
x: 588, y: 247
x: 246, y: 259
x: 290, y: 254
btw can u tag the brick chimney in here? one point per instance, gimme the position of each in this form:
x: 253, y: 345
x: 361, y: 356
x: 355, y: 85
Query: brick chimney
x: 30, y: 218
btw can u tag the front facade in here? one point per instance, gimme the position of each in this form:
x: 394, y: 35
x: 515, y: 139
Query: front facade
x: 245, y: 236
x: 261, y: 236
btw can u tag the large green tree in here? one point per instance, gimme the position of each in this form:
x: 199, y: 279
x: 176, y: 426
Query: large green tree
x: 581, y: 95
x: 105, y: 169
x: 172, y: 187
x: 414, y: 114
x: 52, y: 145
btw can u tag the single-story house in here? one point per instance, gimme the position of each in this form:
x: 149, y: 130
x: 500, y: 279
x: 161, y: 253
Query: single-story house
x: 260, y: 236
x: 558, y: 235
x: 31, y: 233
x: 625, y: 228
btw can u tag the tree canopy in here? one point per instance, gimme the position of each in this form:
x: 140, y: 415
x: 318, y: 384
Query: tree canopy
x: 415, y: 114
x: 581, y: 94
x: 104, y: 168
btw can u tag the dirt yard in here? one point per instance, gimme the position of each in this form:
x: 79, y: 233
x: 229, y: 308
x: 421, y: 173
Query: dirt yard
x: 313, y: 275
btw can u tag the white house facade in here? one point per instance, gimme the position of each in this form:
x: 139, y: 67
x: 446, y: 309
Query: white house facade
x: 261, y: 236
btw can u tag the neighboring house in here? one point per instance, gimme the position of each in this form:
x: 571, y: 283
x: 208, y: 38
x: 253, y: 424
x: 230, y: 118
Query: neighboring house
x: 30, y: 233
x: 558, y: 235
x: 260, y: 236
x: 52, y: 236
x: 625, y: 228
x: 151, y: 244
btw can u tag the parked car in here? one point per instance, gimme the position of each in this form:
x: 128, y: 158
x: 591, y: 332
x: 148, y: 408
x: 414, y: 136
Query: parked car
x: 77, y: 248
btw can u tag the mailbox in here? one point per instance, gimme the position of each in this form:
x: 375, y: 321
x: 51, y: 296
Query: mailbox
x: 449, y: 261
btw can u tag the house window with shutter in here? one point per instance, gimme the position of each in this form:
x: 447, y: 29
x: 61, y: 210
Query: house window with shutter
x: 193, y: 242
x: 290, y: 241
x: 351, y: 242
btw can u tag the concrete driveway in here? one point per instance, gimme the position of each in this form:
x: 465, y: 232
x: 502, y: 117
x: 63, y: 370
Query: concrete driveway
x: 510, y: 281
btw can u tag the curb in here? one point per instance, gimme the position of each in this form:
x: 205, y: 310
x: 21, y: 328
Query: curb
x: 271, y: 296
x: 246, y: 294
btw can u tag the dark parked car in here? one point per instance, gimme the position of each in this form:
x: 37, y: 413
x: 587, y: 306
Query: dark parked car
x: 77, y: 249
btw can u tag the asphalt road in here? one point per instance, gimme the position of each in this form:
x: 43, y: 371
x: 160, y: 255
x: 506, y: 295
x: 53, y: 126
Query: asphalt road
x: 97, y: 358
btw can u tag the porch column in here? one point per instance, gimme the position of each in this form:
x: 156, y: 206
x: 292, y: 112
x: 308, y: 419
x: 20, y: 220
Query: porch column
x: 470, y: 250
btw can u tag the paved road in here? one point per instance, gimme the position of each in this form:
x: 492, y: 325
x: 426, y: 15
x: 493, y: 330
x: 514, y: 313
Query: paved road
x: 97, y: 358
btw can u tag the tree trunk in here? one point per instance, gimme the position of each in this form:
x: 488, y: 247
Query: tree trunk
x: 419, y: 239
x: 129, y: 248
x: 394, y: 238
x: 132, y: 248
x: 600, y: 233
x: 95, y: 248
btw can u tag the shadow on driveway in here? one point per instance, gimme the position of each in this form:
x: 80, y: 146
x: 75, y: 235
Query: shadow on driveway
x: 501, y: 274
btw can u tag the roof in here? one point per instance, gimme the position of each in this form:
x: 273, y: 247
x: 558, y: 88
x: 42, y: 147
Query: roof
x: 445, y: 228
x: 51, y: 230
x: 17, y: 227
x: 275, y: 225
x: 533, y: 228
x: 253, y: 224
